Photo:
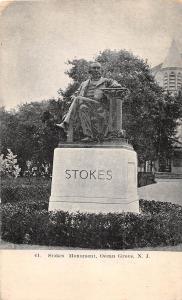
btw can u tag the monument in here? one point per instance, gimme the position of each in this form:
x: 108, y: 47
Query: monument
x: 98, y: 173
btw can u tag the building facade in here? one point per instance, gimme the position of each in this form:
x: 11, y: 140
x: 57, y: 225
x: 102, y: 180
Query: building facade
x: 168, y: 75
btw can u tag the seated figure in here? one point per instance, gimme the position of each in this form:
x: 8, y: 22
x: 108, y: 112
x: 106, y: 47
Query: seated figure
x: 91, y: 106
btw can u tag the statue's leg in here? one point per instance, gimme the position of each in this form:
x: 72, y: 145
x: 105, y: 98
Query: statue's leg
x: 85, y: 119
x: 99, y: 121
x: 68, y: 120
x: 72, y: 110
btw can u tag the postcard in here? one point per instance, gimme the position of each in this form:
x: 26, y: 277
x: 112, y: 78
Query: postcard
x: 91, y: 149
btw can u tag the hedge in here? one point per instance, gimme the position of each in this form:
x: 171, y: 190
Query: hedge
x: 22, y: 189
x: 157, y: 207
x: 145, y: 178
x: 29, y: 222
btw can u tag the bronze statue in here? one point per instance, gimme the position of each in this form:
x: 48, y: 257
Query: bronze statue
x: 93, y: 105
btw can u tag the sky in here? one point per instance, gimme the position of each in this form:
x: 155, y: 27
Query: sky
x: 37, y: 38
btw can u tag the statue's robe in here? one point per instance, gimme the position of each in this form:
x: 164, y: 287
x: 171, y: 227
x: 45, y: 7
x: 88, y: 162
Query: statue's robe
x: 92, y: 116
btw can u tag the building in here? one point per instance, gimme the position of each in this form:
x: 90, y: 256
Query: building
x: 168, y: 75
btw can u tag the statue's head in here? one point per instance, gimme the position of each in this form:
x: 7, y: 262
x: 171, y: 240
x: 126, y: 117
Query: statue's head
x: 95, y: 70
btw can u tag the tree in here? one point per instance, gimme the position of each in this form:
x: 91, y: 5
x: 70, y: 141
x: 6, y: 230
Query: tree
x: 30, y: 131
x: 149, y: 116
x: 167, y: 122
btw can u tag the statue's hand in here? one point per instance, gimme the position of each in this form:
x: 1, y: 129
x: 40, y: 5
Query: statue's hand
x: 98, y: 95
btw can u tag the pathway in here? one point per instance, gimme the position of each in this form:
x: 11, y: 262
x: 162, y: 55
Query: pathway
x: 165, y: 190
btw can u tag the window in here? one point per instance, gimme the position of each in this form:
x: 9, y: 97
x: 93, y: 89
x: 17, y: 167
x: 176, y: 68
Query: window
x: 166, y: 81
x: 179, y: 80
x: 172, y: 81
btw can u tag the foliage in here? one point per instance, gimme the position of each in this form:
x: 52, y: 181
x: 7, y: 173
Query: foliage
x: 145, y: 178
x: 31, y: 132
x: 25, y: 219
x: 156, y: 207
x: 32, y: 170
x: 25, y: 190
x: 149, y: 116
x: 21, y: 223
x: 170, y: 113
x: 8, y: 165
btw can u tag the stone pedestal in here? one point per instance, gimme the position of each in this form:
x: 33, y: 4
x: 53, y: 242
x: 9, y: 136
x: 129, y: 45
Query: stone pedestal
x: 98, y: 179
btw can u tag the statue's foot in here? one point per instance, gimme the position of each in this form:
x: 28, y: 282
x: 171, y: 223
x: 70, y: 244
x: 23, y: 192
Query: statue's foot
x: 63, y: 126
x: 87, y: 139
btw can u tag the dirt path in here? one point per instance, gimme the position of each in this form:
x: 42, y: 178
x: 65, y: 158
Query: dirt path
x: 164, y: 190
x: 11, y: 246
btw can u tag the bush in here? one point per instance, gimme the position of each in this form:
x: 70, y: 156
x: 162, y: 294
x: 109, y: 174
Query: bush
x: 145, y: 178
x: 22, y: 189
x: 26, y: 223
x: 155, y: 207
x: 8, y: 165
x: 25, y: 219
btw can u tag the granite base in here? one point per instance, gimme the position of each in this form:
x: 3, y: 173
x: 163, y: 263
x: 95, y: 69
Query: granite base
x: 95, y: 180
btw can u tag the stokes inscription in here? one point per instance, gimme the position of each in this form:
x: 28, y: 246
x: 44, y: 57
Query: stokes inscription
x: 89, y: 174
